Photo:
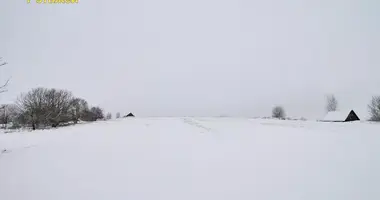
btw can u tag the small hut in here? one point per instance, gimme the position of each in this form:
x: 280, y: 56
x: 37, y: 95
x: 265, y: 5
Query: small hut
x: 129, y: 115
x: 341, y: 116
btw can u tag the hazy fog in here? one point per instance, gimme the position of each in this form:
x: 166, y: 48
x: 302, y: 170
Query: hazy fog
x: 199, y: 57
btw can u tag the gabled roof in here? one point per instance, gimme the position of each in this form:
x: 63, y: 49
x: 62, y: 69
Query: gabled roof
x: 337, y: 116
x: 130, y: 115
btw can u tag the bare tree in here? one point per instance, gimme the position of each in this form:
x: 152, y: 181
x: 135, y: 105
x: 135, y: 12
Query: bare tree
x: 98, y: 113
x: 93, y: 114
x: 32, y: 107
x: 77, y: 109
x: 43, y: 106
x: 332, y: 103
x: 58, y: 104
x: 278, y: 112
x: 109, y: 116
x: 9, y: 113
x: 118, y: 115
x: 374, y: 108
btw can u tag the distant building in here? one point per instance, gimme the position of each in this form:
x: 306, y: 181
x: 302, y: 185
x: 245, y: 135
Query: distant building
x: 341, y: 116
x: 129, y: 115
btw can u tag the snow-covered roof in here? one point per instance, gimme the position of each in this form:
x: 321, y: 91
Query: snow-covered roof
x: 337, y: 115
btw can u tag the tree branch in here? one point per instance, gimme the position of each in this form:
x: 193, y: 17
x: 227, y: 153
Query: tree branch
x: 2, y: 88
x: 4, y: 63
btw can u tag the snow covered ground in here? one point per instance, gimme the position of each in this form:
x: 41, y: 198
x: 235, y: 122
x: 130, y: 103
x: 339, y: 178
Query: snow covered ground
x: 193, y: 158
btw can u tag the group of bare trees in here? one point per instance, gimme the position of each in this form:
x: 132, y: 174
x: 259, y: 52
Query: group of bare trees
x: 42, y: 107
x: 47, y: 107
x: 373, y: 107
x: 332, y: 105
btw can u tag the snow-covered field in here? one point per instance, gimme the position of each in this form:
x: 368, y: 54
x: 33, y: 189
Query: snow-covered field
x: 193, y: 158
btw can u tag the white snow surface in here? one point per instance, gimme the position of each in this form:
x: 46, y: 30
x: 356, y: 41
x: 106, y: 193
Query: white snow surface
x: 337, y: 115
x: 193, y: 158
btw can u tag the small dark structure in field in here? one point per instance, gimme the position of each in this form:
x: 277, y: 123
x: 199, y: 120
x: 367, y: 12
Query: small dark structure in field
x: 129, y: 115
x: 339, y: 116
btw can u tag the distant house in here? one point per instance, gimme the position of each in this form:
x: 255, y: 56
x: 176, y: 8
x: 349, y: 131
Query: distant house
x: 129, y: 115
x: 341, y: 116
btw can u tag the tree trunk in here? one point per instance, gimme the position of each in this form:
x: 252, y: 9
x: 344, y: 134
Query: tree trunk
x: 55, y: 125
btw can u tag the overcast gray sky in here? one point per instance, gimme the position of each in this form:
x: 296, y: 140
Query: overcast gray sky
x: 198, y: 57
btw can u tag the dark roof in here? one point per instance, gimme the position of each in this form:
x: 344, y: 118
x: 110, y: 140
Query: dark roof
x: 341, y: 116
x: 129, y: 115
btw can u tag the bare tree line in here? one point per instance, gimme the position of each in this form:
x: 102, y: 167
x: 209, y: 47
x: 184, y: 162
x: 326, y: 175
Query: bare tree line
x: 42, y: 107
x: 53, y: 107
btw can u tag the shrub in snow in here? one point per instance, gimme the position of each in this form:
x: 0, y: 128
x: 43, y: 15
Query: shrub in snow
x: 278, y: 112
x: 109, y: 116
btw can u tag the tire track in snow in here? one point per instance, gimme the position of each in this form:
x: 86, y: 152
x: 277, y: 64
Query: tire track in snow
x: 196, y: 124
